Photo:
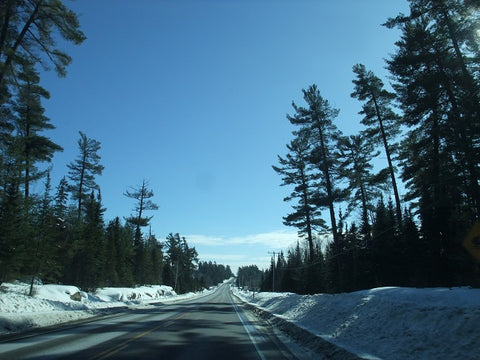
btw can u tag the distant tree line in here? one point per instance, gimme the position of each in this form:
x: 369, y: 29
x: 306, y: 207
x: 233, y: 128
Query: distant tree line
x: 60, y: 234
x: 211, y: 274
x: 250, y: 277
x: 428, y: 132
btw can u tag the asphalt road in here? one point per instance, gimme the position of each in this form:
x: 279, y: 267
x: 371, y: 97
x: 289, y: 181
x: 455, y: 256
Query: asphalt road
x: 210, y: 327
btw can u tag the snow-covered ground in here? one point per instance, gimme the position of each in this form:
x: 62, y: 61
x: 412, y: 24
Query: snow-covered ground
x: 383, y: 323
x: 54, y: 304
x: 386, y: 323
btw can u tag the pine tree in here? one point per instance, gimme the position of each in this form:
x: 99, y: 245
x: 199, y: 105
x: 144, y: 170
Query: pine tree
x: 249, y: 276
x: 386, y: 247
x: 143, y: 197
x: 356, y: 153
x: 30, y: 122
x: 83, y: 170
x: 89, y: 258
x: 43, y: 260
x: 119, y: 250
x: 316, y: 124
x: 380, y: 119
x: 181, y: 262
x: 11, y: 221
x: 30, y: 29
x: 296, y: 170
x: 432, y: 68
x: 295, y: 279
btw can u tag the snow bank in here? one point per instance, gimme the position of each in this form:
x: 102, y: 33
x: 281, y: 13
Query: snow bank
x: 54, y: 304
x: 387, y: 323
x: 142, y: 293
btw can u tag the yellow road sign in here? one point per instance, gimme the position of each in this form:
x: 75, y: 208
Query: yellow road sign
x: 472, y: 241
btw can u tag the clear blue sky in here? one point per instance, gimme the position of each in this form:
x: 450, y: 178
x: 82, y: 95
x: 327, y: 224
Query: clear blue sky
x: 193, y: 97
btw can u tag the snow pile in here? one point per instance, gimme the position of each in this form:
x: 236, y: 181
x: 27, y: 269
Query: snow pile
x: 386, y: 323
x: 54, y: 304
x: 142, y: 293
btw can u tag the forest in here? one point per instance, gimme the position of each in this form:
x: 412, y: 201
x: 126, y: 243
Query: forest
x: 60, y: 235
x: 388, y: 206
x: 422, y: 135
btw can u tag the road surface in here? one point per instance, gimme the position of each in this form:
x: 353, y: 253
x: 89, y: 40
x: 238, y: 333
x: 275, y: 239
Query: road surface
x: 209, y: 327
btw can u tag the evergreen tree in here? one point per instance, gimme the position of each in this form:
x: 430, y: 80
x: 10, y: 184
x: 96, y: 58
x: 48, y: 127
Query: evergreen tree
x: 119, y: 254
x: 110, y: 270
x: 89, y: 258
x: 63, y: 227
x: 294, y: 277
x: 181, y: 263
x: 297, y: 171
x: 61, y: 199
x: 42, y: 257
x: 356, y: 153
x: 380, y: 119
x: 29, y: 29
x: 210, y: 274
x: 249, y: 276
x: 83, y: 170
x: 316, y: 123
x: 143, y: 197
x: 433, y: 68
x: 154, y: 255
x: 30, y: 122
x: 11, y: 221
x: 386, y: 248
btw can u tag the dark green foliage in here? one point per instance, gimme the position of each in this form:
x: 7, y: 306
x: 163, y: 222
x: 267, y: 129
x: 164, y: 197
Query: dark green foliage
x: 154, y: 261
x: 250, y: 277
x: 144, y: 203
x: 119, y: 254
x: 29, y: 29
x: 83, y: 170
x: 11, y: 221
x: 180, y: 264
x: 434, y: 68
x: 42, y: 255
x: 45, y: 235
x: 315, y: 124
x: 210, y: 274
x: 437, y: 88
x: 382, y: 123
x: 89, y: 255
x: 356, y: 154
x: 296, y: 170
x: 30, y: 121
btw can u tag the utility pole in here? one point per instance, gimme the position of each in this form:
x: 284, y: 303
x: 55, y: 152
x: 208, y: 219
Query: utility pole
x: 273, y: 270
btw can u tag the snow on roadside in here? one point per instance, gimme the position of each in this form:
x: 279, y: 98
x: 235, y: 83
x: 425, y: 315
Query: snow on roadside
x: 387, y: 323
x: 54, y: 304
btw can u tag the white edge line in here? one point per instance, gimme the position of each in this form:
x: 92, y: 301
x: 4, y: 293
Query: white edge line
x: 246, y: 329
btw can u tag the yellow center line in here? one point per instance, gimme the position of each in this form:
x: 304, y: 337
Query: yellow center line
x: 112, y: 351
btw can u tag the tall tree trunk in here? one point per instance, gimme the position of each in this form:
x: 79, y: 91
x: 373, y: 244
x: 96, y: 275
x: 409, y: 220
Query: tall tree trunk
x: 307, y: 216
x: 389, y: 160
x: 328, y: 183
